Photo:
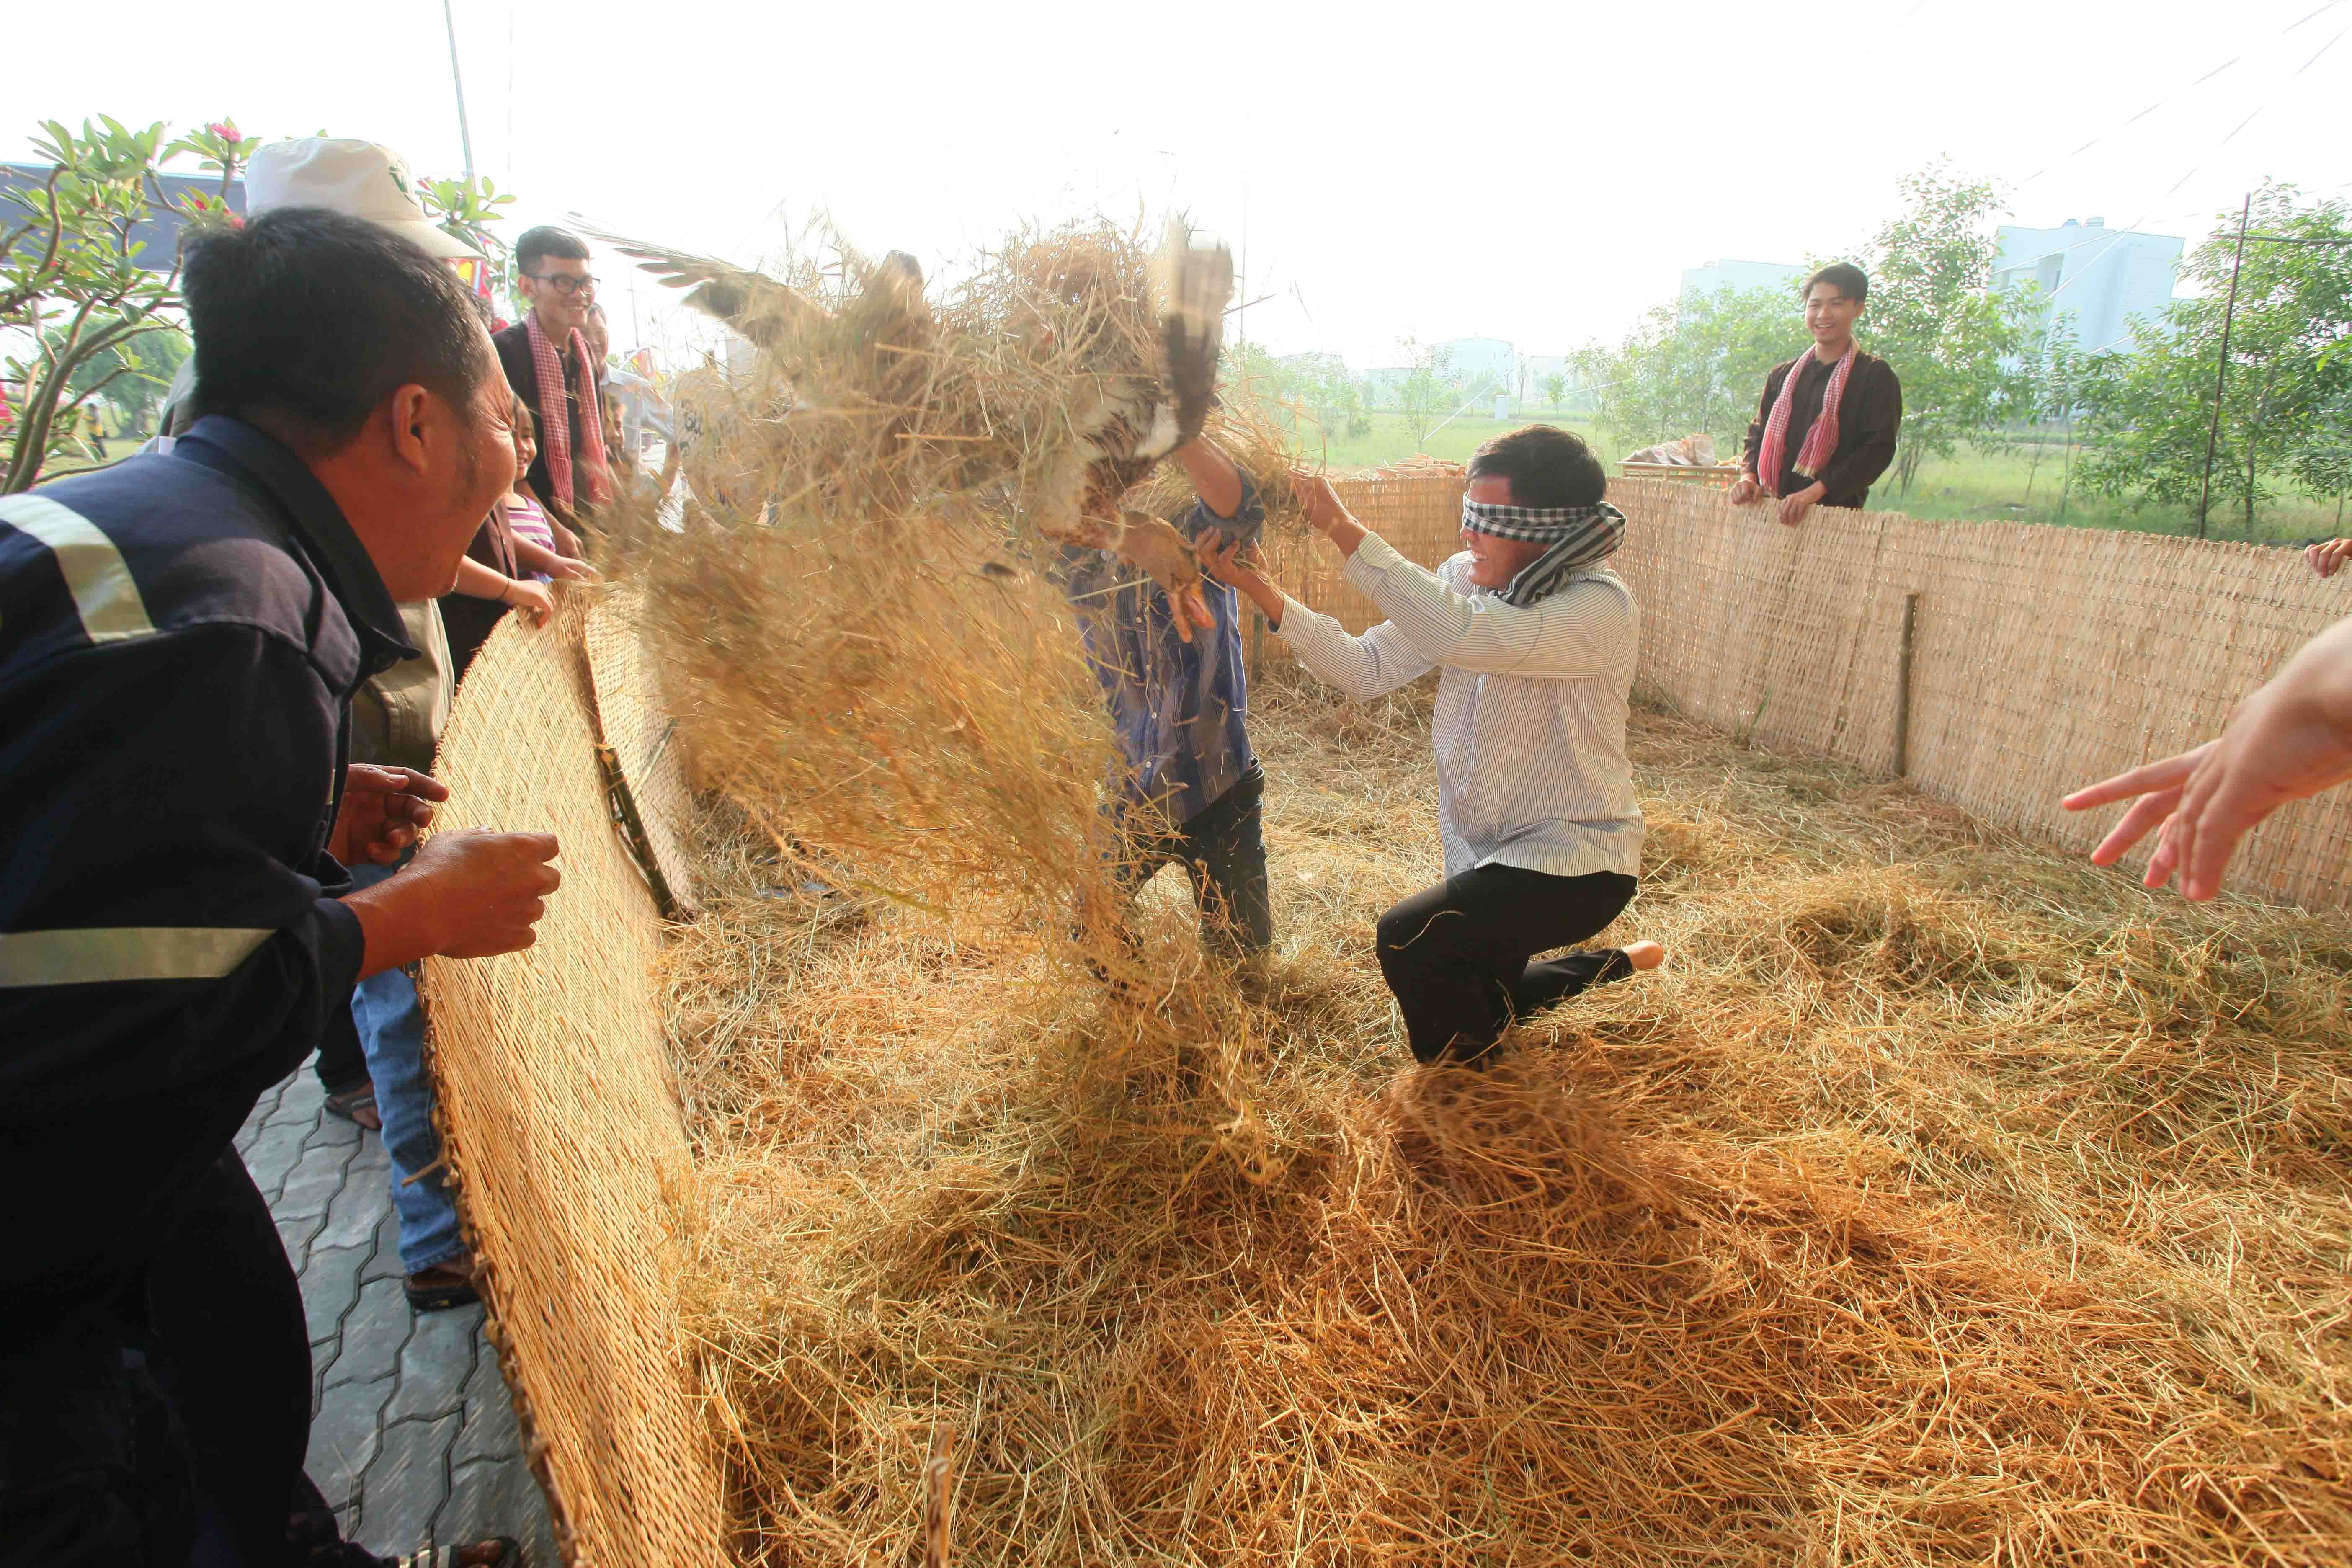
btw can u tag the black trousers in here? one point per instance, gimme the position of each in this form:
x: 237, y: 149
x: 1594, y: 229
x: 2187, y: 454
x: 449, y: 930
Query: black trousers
x: 233, y: 1349
x: 1222, y: 850
x: 170, y: 1427
x: 1456, y: 956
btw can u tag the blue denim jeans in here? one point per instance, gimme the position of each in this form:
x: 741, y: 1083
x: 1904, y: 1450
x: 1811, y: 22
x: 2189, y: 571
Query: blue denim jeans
x: 392, y: 1032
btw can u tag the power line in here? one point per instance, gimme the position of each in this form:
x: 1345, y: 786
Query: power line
x: 2179, y: 92
x: 2265, y: 104
x: 1904, y: 21
x: 2199, y: 164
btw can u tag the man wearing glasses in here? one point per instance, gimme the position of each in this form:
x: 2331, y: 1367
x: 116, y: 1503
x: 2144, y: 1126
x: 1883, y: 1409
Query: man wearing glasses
x: 549, y: 365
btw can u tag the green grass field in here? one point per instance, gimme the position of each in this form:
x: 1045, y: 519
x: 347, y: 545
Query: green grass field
x: 1391, y: 438
x: 1975, y: 484
x: 2010, y: 485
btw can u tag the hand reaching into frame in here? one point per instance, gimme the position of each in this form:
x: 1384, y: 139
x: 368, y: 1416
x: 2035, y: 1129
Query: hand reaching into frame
x: 1241, y: 568
x: 2289, y: 740
x: 1327, y: 514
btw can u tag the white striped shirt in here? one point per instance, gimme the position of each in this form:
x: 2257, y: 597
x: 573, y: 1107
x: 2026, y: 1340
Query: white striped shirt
x: 1530, y: 722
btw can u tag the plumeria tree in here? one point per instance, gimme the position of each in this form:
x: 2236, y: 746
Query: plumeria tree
x: 76, y: 287
x: 467, y: 208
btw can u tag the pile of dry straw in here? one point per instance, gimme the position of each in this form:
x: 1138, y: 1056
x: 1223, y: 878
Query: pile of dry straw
x: 1944, y: 1200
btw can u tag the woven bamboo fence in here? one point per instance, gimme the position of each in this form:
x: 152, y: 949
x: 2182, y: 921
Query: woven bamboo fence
x: 1420, y: 514
x: 2038, y: 659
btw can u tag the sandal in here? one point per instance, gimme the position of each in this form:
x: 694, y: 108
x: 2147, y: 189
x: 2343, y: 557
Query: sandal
x: 442, y: 1287
x: 503, y: 1551
x: 357, y: 1104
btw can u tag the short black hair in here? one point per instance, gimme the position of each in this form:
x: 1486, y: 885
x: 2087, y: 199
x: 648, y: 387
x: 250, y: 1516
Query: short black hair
x: 305, y: 320
x: 1842, y: 276
x: 1547, y: 467
x: 548, y: 240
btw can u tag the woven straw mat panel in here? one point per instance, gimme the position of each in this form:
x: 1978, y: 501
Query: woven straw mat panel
x: 1421, y: 516
x: 2044, y: 657
x: 563, y: 1128
x: 637, y: 727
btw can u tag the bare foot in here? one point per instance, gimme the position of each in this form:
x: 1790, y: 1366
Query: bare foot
x: 1645, y: 956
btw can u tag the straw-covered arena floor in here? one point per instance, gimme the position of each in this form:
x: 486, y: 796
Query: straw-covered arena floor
x: 1943, y: 1200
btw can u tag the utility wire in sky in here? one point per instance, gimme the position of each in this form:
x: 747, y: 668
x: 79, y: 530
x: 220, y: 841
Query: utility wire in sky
x: 2265, y: 103
x: 1904, y: 20
x: 2195, y: 168
x: 2179, y: 92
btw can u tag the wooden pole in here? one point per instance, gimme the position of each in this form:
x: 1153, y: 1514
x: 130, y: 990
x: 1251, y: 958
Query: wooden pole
x: 1902, y: 686
x: 2222, y: 371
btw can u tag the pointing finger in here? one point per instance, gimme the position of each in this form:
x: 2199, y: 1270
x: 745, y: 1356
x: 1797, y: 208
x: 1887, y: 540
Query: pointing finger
x: 2165, y: 774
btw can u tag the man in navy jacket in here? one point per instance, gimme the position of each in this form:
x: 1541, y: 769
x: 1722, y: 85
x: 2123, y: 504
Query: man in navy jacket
x: 180, y: 638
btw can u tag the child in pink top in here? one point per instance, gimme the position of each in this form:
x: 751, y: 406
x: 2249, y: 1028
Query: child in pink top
x: 525, y: 517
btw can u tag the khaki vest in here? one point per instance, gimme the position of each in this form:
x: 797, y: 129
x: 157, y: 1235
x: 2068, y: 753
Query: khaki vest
x: 397, y: 717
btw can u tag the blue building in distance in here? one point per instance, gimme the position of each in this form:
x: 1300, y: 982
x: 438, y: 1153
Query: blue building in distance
x: 1743, y: 275
x: 2104, y: 278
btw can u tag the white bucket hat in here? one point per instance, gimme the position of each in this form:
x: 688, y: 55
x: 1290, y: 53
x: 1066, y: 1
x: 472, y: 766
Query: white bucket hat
x: 358, y: 179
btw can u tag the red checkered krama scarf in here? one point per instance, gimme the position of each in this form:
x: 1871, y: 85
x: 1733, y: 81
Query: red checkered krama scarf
x: 556, y: 419
x: 1821, y: 441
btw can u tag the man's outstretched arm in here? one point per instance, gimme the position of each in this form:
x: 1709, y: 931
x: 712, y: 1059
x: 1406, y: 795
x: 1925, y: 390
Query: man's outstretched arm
x: 1216, y: 477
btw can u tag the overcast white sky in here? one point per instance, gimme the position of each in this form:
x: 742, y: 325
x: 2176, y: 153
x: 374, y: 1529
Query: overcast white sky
x: 1539, y: 173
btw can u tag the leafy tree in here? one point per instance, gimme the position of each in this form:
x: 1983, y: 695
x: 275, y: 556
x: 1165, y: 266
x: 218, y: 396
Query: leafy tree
x: 1934, y: 315
x: 72, y: 287
x: 1322, y: 383
x: 1318, y: 387
x: 1430, y: 390
x: 1692, y: 364
x: 2049, y: 383
x: 135, y: 373
x: 2286, y: 411
x: 467, y: 208
x: 1555, y: 388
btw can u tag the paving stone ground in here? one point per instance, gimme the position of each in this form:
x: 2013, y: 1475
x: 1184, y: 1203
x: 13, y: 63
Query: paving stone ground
x: 413, y: 1437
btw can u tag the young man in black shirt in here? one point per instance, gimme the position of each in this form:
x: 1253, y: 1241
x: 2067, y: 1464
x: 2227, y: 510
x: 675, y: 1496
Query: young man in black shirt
x: 551, y: 343
x: 1826, y: 425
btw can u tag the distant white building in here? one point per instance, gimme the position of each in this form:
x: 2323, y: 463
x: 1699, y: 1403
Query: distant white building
x: 1473, y: 360
x: 1743, y: 275
x: 2104, y: 278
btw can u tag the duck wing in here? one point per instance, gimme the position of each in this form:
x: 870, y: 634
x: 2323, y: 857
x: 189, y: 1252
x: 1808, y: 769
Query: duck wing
x: 756, y: 305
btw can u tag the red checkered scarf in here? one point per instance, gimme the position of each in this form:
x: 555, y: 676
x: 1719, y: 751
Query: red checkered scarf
x: 1821, y: 441
x: 556, y: 419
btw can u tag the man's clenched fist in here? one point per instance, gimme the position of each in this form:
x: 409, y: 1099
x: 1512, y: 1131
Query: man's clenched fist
x: 491, y: 887
x: 469, y: 893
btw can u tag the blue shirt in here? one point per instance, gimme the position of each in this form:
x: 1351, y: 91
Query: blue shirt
x: 180, y: 638
x: 1182, y: 710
